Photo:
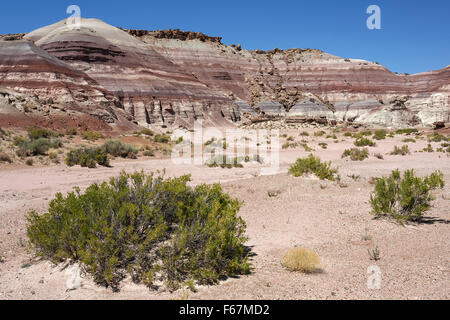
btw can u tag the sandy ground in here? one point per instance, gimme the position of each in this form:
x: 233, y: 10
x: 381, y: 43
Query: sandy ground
x: 332, y: 219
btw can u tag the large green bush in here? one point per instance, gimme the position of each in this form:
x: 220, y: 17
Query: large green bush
x: 404, y: 198
x: 88, y: 157
x: 36, y: 147
x: 118, y: 149
x: 313, y: 165
x: 148, y: 227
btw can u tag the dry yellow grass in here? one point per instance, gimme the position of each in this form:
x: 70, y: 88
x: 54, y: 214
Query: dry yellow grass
x: 301, y: 259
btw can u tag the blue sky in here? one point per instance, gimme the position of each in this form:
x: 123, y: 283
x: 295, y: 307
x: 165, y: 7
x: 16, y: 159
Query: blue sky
x: 414, y: 35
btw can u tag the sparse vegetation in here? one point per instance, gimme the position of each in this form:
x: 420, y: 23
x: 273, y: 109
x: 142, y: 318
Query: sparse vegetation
x: 363, y: 142
x: 301, y: 259
x: 403, y: 151
x: 161, y: 138
x: 118, y: 149
x: 380, y: 134
x: 404, y: 198
x: 225, y: 161
x: 92, y: 135
x: 313, y: 165
x: 407, y: 131
x: 379, y: 156
x: 356, y: 154
x: 154, y: 229
x: 323, y: 145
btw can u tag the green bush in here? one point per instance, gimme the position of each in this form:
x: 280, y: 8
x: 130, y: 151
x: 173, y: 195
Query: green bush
x: 161, y: 138
x: 356, y: 154
x: 38, y: 133
x: 403, y: 151
x: 88, y: 157
x: 407, y: 131
x: 224, y: 161
x: 118, y: 149
x: 323, y: 145
x: 319, y: 133
x: 437, y: 137
x: 407, y: 198
x: 380, y: 134
x: 148, y: 227
x: 363, y: 142
x: 91, y: 135
x: 429, y: 148
x: 36, y: 147
x: 313, y: 165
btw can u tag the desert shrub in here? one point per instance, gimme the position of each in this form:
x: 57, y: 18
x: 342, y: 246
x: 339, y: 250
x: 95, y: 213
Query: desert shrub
x: 91, y: 135
x: 407, y: 131
x: 146, y: 132
x: 149, y: 153
x: 331, y: 136
x: 301, y: 259
x: 403, y: 151
x: 225, y: 161
x: 363, y: 142
x: 37, y: 147
x: 304, y: 134
x: 404, y: 198
x: 356, y: 154
x: 88, y: 157
x: 348, y: 134
x: 29, y: 162
x: 118, y: 149
x: 5, y: 158
x: 71, y: 132
x: 153, y: 229
x: 429, y: 148
x: 409, y: 140
x: 323, y: 145
x: 380, y: 134
x: 313, y: 165
x: 437, y: 137
x: 161, y: 138
x: 319, y: 133
x: 38, y: 133
x: 290, y: 138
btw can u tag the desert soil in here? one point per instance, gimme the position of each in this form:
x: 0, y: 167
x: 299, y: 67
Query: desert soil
x: 333, y: 220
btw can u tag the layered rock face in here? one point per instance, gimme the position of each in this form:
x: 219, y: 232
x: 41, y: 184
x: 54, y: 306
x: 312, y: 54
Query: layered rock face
x: 171, y: 78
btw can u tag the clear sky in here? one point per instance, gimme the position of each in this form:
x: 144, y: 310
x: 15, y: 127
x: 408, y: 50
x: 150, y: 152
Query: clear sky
x: 414, y: 35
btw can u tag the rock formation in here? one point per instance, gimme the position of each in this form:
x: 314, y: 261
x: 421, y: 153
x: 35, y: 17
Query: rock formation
x: 169, y: 78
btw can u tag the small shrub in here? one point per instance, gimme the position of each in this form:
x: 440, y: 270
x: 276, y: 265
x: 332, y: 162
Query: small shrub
x: 429, y: 148
x: 36, y: 147
x: 356, y: 154
x: 437, y: 137
x: 363, y: 142
x: 380, y: 134
x: 313, y: 165
x: 319, y: 133
x: 87, y: 157
x: 409, y: 140
x: 374, y: 254
x: 29, y: 162
x: 38, y: 133
x: 407, y: 198
x: 91, y: 135
x: 304, y: 134
x: 71, y: 132
x: 118, y: 149
x: 323, y: 145
x: 161, y: 138
x: 290, y: 138
x: 147, y: 132
x: 403, y: 151
x: 149, y: 153
x: 348, y: 134
x: 224, y: 161
x: 407, y: 131
x: 301, y: 259
x: 154, y: 229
